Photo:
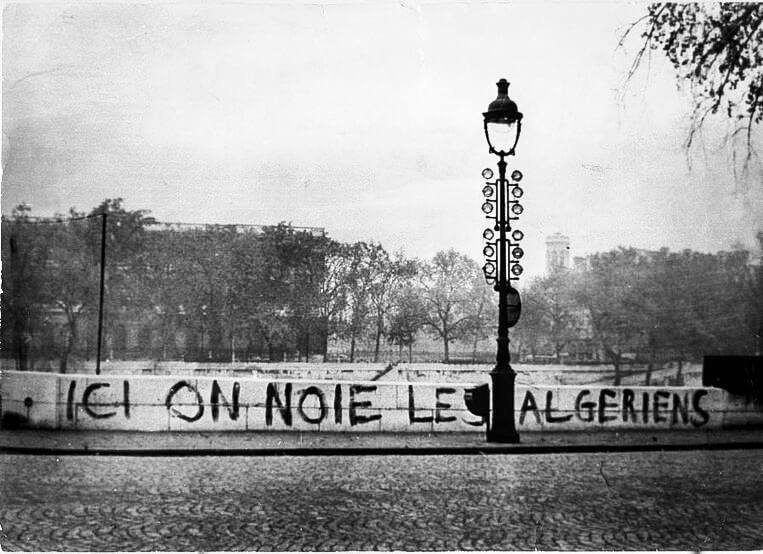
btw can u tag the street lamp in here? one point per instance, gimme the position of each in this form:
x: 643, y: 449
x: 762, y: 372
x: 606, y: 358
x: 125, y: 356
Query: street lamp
x: 503, y: 125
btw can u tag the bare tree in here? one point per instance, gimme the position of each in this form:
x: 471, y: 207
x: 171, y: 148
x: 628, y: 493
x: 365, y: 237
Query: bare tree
x: 716, y: 51
x: 451, y: 289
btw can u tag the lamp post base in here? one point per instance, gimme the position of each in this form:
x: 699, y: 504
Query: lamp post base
x: 502, y: 428
x: 506, y: 437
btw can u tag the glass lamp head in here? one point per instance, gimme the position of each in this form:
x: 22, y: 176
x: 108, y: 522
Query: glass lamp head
x: 503, y: 122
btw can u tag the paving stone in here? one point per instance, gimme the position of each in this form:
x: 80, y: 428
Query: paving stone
x: 653, y: 500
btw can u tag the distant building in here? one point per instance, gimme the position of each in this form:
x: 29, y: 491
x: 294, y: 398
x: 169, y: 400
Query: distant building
x: 580, y: 263
x: 557, y: 252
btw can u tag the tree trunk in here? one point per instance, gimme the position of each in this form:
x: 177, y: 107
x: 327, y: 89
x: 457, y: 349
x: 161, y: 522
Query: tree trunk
x: 22, y: 349
x: 167, y: 328
x: 446, y: 345
x: 679, y: 374
x: 200, y: 348
x: 19, y: 332
x: 325, y: 346
x: 650, y: 368
x: 618, y: 376
x: 378, y: 340
x: 71, y: 340
x: 410, y: 352
x: 352, y: 349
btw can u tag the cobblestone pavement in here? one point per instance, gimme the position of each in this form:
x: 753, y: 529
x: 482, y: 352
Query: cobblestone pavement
x: 252, y: 442
x: 649, y: 500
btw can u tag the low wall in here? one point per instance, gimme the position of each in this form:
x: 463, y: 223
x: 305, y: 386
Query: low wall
x: 160, y: 403
x: 527, y: 374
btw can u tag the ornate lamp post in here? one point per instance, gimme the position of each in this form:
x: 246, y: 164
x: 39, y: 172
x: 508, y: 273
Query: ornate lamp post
x: 503, y: 124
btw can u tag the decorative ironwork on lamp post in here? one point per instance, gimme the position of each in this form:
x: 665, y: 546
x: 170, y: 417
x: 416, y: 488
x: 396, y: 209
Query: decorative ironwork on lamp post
x: 503, y: 125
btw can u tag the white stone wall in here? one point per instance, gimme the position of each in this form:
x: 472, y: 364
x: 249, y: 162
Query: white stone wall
x: 146, y: 403
x: 173, y: 403
x: 580, y: 408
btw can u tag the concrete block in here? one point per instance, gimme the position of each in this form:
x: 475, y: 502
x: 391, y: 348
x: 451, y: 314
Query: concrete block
x: 148, y: 417
x: 255, y: 419
x: 398, y: 421
x: 202, y: 418
x: 33, y: 398
x: 142, y: 418
x: 470, y: 422
x: 330, y: 423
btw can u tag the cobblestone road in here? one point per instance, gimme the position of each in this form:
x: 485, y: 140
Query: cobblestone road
x: 676, y: 500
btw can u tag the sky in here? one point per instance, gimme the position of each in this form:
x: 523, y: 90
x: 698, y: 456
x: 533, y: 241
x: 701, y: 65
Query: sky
x: 364, y: 118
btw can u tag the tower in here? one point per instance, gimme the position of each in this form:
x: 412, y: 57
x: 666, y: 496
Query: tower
x: 557, y: 252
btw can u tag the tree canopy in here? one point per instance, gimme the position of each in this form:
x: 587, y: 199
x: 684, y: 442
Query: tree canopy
x: 233, y: 293
x: 715, y: 49
x: 452, y: 288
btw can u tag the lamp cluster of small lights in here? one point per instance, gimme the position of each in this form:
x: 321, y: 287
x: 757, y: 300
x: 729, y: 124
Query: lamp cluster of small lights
x: 492, y: 243
x: 516, y: 235
x: 491, y: 261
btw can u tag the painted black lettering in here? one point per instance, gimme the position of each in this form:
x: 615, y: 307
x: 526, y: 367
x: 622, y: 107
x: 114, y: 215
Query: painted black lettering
x: 698, y: 409
x: 90, y: 389
x: 126, y: 398
x: 412, y: 418
x: 478, y: 410
x: 232, y: 406
x: 318, y: 393
x: 659, y: 416
x: 529, y: 404
x: 356, y: 418
x: 284, y: 407
x: 680, y: 407
x: 629, y: 412
x: 550, y: 418
x: 603, y: 405
x: 338, y: 404
x: 177, y: 413
x: 70, y: 401
x: 590, y: 406
x: 645, y: 407
x: 442, y: 406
